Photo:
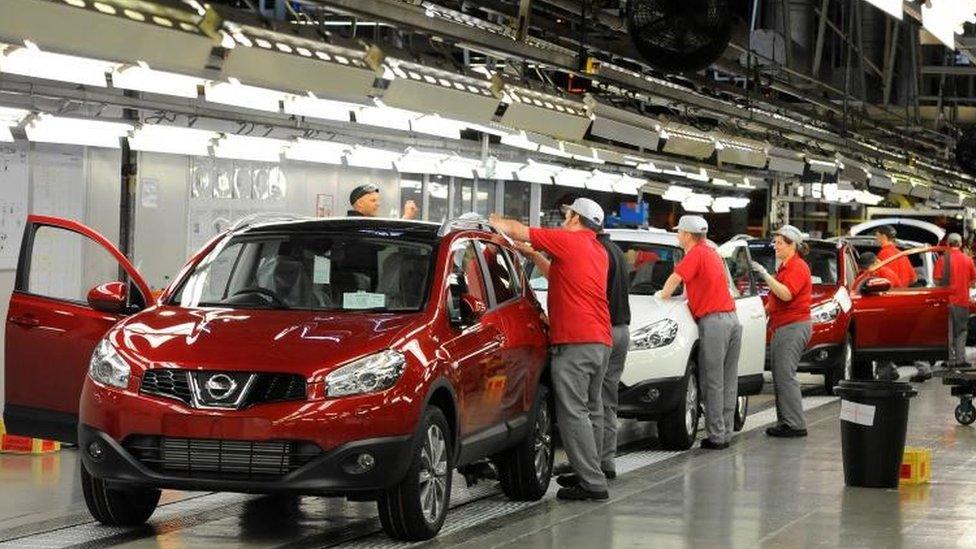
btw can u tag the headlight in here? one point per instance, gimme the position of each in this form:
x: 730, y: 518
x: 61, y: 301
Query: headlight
x: 107, y: 367
x: 825, y: 312
x: 366, y: 375
x: 652, y: 336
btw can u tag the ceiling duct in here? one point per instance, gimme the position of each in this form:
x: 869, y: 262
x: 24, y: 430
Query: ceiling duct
x: 741, y: 152
x: 622, y: 126
x: 687, y: 141
x: 546, y: 114
x: 164, y: 38
x: 298, y: 66
x: 821, y: 164
x: 785, y: 161
x: 423, y: 89
x: 921, y: 191
x: 853, y: 171
x: 901, y: 184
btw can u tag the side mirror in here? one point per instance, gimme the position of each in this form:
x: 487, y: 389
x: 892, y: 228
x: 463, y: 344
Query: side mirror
x: 472, y: 308
x: 111, y: 297
x: 876, y: 286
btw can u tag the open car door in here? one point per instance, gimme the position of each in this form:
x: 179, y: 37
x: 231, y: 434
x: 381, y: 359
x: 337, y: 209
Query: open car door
x: 752, y: 315
x: 901, y: 324
x: 65, y: 271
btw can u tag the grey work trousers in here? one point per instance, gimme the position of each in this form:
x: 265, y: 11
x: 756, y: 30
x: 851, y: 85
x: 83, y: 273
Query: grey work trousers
x: 720, y: 336
x: 611, y: 387
x: 577, y: 378
x: 786, y: 349
x: 958, y: 330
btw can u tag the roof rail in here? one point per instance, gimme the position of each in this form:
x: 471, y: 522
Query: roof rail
x: 266, y: 217
x: 469, y: 221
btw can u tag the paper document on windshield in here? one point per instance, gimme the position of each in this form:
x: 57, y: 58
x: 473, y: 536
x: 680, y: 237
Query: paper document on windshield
x: 363, y: 300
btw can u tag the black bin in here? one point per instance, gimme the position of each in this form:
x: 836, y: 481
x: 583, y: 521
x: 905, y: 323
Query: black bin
x: 872, y: 430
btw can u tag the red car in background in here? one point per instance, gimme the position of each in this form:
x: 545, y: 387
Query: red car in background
x: 362, y: 358
x: 833, y: 266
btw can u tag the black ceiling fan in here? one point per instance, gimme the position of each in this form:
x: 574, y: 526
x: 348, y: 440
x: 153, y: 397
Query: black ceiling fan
x: 679, y: 35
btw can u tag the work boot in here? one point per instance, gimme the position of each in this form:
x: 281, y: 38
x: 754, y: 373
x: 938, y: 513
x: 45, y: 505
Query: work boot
x: 707, y: 444
x: 582, y: 494
x: 785, y: 431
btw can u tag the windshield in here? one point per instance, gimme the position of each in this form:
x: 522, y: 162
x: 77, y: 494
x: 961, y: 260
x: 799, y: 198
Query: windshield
x: 821, y: 259
x: 337, y: 271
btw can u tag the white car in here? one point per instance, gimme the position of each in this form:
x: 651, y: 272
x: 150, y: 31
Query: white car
x: 660, y: 379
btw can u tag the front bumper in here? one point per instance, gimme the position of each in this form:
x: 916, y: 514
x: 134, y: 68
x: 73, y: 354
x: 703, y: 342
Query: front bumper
x: 651, y: 400
x: 327, y: 475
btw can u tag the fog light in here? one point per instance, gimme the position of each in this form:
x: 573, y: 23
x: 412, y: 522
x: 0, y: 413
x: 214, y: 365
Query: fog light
x: 95, y: 451
x: 651, y: 395
x: 358, y: 464
x: 822, y: 355
x: 365, y: 461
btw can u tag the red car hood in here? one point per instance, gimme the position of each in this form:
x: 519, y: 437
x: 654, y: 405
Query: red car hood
x: 262, y: 341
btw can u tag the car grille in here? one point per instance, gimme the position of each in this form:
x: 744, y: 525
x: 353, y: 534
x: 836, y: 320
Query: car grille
x: 221, y: 459
x: 175, y: 384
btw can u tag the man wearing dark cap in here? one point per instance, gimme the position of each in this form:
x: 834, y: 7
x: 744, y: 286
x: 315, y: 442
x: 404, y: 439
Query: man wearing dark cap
x: 885, y: 235
x: 365, y: 202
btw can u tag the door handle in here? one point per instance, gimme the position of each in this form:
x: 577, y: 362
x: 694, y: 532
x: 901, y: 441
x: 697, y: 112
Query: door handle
x: 933, y: 301
x: 757, y: 316
x: 26, y: 321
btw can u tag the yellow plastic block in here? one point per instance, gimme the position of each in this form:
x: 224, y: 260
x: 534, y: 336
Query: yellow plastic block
x: 916, y: 466
x: 15, y: 444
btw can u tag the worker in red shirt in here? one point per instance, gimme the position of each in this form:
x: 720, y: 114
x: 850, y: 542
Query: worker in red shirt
x: 703, y: 273
x: 788, y: 309
x: 885, y: 235
x: 579, y: 335
x: 962, y: 277
x: 869, y: 261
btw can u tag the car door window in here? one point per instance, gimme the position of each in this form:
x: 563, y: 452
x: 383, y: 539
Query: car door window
x: 649, y: 265
x: 466, y: 272
x: 65, y: 265
x: 739, y: 273
x: 502, y: 277
x: 851, y: 268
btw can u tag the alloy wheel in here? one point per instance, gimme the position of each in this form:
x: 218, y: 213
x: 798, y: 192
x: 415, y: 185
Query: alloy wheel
x: 433, y: 474
x: 848, y: 361
x: 543, y: 443
x: 691, y: 405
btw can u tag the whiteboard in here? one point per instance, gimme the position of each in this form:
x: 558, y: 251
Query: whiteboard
x: 14, y: 184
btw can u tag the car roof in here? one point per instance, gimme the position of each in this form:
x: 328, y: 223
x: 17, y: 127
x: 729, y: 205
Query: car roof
x: 812, y: 242
x: 651, y: 235
x: 421, y: 230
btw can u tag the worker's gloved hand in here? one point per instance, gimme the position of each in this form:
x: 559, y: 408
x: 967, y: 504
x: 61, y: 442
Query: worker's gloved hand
x: 659, y: 294
x: 756, y: 266
x: 525, y: 248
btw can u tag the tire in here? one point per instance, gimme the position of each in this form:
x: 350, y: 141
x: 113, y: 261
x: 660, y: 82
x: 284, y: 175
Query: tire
x: 414, y: 509
x: 118, y: 507
x: 678, y: 429
x: 526, y: 469
x: 845, y: 369
x: 965, y: 415
x: 741, y: 411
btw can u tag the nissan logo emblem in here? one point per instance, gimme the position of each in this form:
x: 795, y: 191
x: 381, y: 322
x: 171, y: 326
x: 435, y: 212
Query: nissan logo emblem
x: 220, y: 386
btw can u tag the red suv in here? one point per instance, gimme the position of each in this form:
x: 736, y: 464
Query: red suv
x: 346, y: 357
x: 833, y: 266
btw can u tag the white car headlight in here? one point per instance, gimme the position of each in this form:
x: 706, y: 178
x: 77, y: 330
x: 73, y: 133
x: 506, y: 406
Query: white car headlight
x: 366, y: 375
x: 825, y: 312
x: 653, y: 336
x: 107, y: 367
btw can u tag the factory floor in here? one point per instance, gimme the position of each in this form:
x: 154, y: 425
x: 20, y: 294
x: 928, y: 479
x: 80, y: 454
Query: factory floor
x: 760, y: 492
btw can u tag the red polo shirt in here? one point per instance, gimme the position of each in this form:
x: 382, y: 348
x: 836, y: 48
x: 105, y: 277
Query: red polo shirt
x: 703, y: 273
x: 794, y: 273
x: 962, y: 272
x: 577, y: 300
x: 902, y: 267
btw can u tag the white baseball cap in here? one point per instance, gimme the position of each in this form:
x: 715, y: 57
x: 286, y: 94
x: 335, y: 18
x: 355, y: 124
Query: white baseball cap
x: 587, y: 209
x: 791, y: 233
x: 692, y: 224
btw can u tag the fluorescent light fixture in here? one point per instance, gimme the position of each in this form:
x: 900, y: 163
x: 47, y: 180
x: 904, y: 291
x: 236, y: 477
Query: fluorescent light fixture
x: 746, y: 184
x: 245, y: 147
x: 235, y: 94
x: 417, y: 161
x: 142, y: 78
x: 723, y: 204
x: 571, y: 177
x: 581, y: 153
x: 6, y: 136
x: 719, y: 182
x: 382, y: 116
x: 324, y: 109
x: 649, y: 167
x: 556, y: 150
x: 458, y: 166
x: 602, y: 181
x: 894, y: 8
x: 720, y: 207
x: 944, y: 18
x: 369, y: 157
x: 32, y: 62
x: 76, y: 131
x: 868, y: 198
x: 538, y: 172
x: 9, y: 118
x: 519, y: 140
x: 702, y: 175
x: 697, y: 203
x: 318, y: 151
x: 436, y: 125
x: 677, y: 193
x: 628, y: 185
x: 499, y: 170
x: 172, y: 140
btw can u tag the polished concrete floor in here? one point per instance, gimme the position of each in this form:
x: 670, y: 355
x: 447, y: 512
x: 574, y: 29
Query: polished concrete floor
x: 760, y: 492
